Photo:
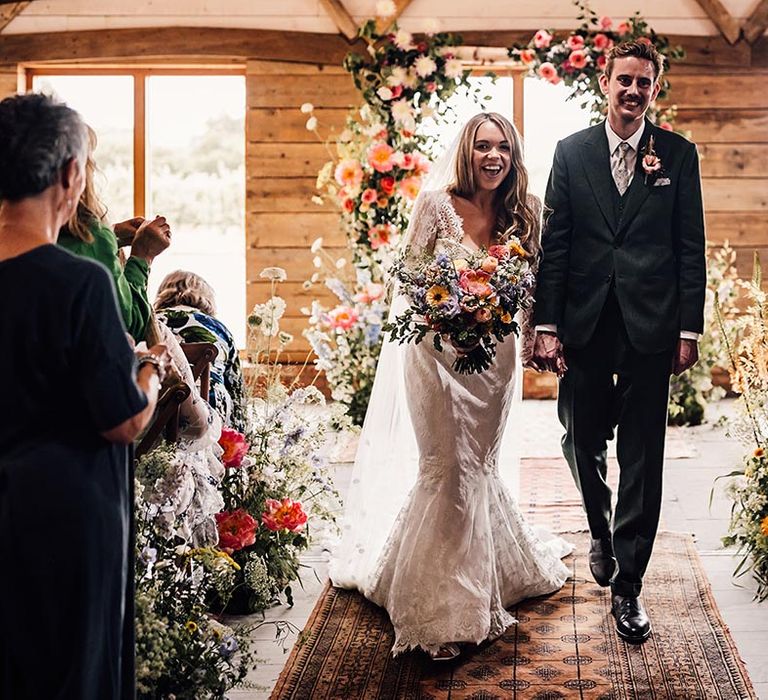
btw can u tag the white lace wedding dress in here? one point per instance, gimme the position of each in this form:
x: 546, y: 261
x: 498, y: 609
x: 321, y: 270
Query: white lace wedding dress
x: 459, y: 551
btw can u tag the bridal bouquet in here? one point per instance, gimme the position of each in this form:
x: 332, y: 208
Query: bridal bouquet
x: 470, y: 302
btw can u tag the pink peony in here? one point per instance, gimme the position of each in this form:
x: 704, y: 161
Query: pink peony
x: 500, y: 252
x: 578, y: 59
x: 548, y: 71
x: 369, y: 196
x: 601, y: 61
x: 284, y: 515
x: 349, y: 173
x: 380, y: 235
x: 342, y: 317
x: 475, y: 282
x: 542, y: 39
x: 602, y: 42
x: 235, y: 447
x: 237, y: 529
x: 380, y: 157
x: 575, y: 41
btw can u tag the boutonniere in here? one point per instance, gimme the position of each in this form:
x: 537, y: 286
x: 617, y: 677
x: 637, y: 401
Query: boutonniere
x: 651, y: 162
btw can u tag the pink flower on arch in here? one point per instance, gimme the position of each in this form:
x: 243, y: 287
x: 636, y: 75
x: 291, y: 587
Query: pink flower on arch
x: 380, y: 157
x: 601, y: 61
x: 575, y: 41
x: 602, y: 42
x: 548, y: 71
x: 349, y: 173
x: 605, y: 22
x: 623, y: 28
x: 542, y: 39
x: 527, y: 56
x: 578, y: 59
x: 369, y: 196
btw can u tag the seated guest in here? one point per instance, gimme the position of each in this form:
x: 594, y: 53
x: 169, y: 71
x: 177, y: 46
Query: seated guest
x: 186, y: 303
x: 87, y: 234
x: 74, y: 398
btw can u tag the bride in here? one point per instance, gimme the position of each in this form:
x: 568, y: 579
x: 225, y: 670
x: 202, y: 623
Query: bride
x: 430, y: 531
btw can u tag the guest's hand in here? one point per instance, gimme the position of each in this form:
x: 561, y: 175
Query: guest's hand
x: 158, y: 353
x: 151, y: 239
x: 548, y: 354
x: 687, y: 355
x: 126, y: 230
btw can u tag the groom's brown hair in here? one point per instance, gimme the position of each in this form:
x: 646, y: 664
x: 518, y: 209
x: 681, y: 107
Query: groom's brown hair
x: 640, y: 48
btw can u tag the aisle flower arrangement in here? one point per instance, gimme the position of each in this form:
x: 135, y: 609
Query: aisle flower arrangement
x: 691, y: 391
x: 346, y: 338
x: 748, y: 352
x: 579, y: 59
x: 277, y: 482
x: 181, y: 650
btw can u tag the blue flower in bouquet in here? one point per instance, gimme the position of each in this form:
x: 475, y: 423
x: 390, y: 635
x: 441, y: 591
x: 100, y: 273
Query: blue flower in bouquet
x: 450, y: 307
x: 228, y: 646
x: 372, y: 334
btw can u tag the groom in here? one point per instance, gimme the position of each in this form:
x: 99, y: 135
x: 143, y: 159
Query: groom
x: 619, y: 306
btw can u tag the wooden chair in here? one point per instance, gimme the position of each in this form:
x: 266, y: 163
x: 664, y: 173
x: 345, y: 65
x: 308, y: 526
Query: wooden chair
x: 175, y: 392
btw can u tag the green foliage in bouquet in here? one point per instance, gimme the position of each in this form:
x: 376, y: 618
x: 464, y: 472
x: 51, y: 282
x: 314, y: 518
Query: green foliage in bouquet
x: 691, y: 391
x: 748, y: 353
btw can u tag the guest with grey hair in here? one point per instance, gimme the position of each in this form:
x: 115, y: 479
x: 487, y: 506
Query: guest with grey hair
x: 186, y: 303
x: 73, y: 400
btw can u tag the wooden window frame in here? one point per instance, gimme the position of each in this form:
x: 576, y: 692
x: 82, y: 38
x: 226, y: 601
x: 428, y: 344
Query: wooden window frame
x: 140, y: 73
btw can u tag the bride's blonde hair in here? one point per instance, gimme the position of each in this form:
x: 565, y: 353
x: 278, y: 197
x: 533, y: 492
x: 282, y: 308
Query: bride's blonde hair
x: 516, y: 212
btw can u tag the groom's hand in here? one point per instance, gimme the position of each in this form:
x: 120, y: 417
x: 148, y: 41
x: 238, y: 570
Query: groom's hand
x: 687, y: 355
x: 548, y: 354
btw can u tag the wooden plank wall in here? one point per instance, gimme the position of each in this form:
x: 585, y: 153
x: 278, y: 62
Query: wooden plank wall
x: 9, y: 79
x: 727, y: 114
x: 282, y: 162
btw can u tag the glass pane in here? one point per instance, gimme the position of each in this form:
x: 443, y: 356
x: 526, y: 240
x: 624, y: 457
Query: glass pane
x: 549, y: 117
x: 106, y: 103
x: 196, y: 179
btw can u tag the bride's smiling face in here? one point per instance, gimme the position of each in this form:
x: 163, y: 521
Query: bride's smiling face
x: 490, y: 156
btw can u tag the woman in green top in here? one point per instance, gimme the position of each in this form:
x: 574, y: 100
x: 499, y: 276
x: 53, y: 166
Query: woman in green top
x: 87, y: 234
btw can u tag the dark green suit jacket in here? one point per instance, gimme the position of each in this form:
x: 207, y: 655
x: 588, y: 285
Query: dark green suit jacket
x: 653, y: 252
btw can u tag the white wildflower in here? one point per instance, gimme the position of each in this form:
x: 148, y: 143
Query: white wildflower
x: 397, y: 76
x: 317, y: 200
x: 431, y: 25
x: 341, y: 262
x: 311, y: 124
x: 454, y: 68
x: 404, y: 40
x: 402, y: 111
x: 316, y: 244
x: 317, y: 261
x: 307, y: 107
x: 277, y: 274
x: 384, y: 93
x: 425, y: 66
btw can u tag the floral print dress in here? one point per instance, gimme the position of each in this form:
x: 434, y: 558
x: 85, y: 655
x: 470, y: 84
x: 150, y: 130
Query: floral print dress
x: 227, y: 394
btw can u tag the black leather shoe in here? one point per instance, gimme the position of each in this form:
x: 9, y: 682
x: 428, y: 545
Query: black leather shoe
x: 632, y: 622
x: 602, y: 563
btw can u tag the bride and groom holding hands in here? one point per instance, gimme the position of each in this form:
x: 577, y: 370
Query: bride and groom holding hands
x: 430, y: 531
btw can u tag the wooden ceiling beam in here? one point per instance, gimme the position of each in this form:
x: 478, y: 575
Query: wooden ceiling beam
x: 722, y: 19
x: 341, y: 18
x: 757, y: 23
x: 10, y: 11
x: 383, y: 23
x: 141, y: 43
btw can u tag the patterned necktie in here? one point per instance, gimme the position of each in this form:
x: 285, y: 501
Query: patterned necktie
x: 620, y: 169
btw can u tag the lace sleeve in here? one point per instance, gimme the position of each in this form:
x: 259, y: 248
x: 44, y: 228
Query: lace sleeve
x: 422, y: 228
x: 527, y: 326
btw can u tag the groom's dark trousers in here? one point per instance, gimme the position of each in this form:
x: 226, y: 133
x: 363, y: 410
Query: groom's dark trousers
x: 610, y: 386
x: 620, y: 278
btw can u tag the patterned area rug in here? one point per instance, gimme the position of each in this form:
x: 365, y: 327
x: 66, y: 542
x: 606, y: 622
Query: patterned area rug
x: 564, y: 646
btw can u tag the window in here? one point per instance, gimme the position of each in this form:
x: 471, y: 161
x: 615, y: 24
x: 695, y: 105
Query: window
x: 172, y: 143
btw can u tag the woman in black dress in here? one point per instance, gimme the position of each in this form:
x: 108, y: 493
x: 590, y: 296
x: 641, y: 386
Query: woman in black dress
x: 72, y: 402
